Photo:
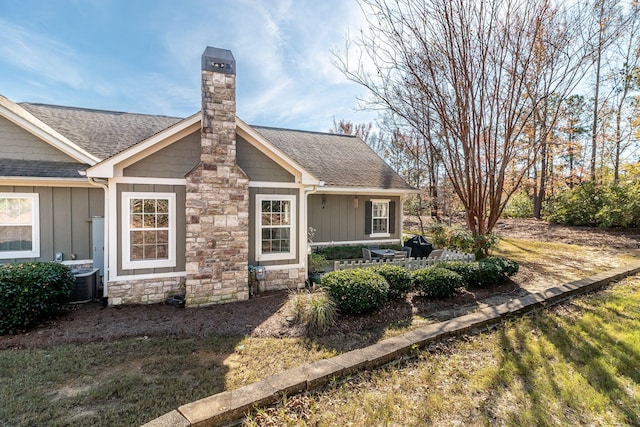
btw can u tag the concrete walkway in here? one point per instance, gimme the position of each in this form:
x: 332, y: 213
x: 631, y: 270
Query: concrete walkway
x: 228, y: 406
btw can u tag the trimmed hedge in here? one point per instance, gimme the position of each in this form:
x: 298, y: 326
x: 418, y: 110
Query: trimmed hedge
x: 494, y: 270
x: 31, y: 291
x: 356, y: 291
x: 398, y: 278
x: 468, y: 270
x: 437, y: 282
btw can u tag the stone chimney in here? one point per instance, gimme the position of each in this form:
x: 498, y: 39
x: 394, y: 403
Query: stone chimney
x: 217, y: 202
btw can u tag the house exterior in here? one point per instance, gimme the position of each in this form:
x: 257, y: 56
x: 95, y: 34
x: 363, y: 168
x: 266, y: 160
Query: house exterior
x: 166, y: 205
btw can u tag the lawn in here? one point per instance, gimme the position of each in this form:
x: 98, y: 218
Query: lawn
x: 574, y: 364
x: 131, y: 381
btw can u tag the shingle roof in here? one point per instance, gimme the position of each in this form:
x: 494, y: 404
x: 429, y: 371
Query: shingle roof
x: 101, y: 133
x: 40, y: 168
x: 338, y: 160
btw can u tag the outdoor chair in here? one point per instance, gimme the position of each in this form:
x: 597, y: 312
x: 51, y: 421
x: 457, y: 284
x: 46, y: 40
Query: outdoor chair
x: 366, y: 254
x: 436, y: 253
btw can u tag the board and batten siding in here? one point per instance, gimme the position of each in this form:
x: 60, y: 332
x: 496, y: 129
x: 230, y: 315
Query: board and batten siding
x: 19, y: 144
x: 339, y: 221
x: 252, y: 222
x: 173, y: 161
x: 257, y: 165
x: 181, y: 227
x: 65, y: 220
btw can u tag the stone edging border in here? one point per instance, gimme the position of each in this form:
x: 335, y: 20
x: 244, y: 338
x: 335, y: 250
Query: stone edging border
x: 232, y: 405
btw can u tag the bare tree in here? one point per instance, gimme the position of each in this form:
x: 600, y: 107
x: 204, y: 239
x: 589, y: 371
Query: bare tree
x: 477, y: 71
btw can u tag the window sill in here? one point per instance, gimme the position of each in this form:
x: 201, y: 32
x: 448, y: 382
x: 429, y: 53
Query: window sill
x: 380, y: 235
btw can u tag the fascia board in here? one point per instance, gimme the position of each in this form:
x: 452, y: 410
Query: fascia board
x: 111, y: 167
x: 274, y: 153
x: 27, y: 121
x: 362, y: 190
x: 45, y: 181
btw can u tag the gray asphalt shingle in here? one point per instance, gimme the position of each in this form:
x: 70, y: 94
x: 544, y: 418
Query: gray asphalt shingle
x: 40, y: 168
x: 338, y: 160
x: 101, y: 133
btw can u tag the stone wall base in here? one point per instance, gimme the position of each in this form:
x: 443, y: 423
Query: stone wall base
x: 202, y: 293
x: 144, y: 291
x: 290, y: 278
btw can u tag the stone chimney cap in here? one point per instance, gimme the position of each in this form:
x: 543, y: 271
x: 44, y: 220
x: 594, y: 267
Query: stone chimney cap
x: 218, y: 60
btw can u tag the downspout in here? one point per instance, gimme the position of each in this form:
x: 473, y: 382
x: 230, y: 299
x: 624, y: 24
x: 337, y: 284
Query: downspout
x: 307, y: 191
x: 105, y: 278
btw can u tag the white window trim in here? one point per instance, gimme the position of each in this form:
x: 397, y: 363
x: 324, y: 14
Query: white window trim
x: 35, y: 226
x: 258, y: 226
x: 387, y: 234
x: 127, y: 263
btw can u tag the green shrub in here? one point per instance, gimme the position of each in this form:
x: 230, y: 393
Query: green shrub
x: 356, y: 291
x: 31, y: 291
x: 398, y: 278
x: 437, y: 282
x: 489, y: 273
x: 507, y: 266
x: 348, y: 252
x: 462, y: 239
x: 467, y: 270
x: 519, y: 206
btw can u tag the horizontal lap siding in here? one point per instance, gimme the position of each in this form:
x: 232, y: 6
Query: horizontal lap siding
x: 173, y: 161
x: 65, y: 220
x: 258, y: 166
x: 19, y: 144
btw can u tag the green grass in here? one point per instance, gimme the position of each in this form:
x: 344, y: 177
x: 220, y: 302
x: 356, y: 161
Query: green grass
x: 575, y: 364
x: 131, y: 381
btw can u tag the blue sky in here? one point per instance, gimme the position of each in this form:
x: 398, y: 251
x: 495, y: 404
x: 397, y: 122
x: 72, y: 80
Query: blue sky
x: 143, y: 56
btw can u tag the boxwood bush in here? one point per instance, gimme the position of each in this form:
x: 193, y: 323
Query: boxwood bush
x: 494, y: 270
x: 437, y: 282
x: 356, y: 291
x: 468, y: 270
x: 31, y: 291
x: 398, y: 278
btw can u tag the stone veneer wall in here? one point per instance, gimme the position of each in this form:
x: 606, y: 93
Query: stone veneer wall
x: 217, y: 202
x: 148, y: 291
x: 283, y: 279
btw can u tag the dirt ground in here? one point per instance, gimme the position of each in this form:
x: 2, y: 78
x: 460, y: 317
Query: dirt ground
x: 265, y: 314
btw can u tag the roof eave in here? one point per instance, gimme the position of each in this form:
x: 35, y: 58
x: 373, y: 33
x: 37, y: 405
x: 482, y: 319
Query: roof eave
x: 366, y: 190
x: 45, y: 181
x: 27, y: 121
x: 275, y: 154
x: 108, y: 168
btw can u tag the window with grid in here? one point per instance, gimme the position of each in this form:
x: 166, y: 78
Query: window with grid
x: 379, y: 217
x: 19, y: 225
x: 149, y: 230
x: 275, y: 227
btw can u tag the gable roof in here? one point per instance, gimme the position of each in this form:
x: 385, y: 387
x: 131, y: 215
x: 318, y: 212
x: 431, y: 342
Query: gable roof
x: 339, y: 161
x: 23, y: 118
x: 342, y: 161
x: 101, y: 133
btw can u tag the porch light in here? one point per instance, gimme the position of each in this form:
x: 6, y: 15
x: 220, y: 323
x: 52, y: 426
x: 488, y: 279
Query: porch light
x: 355, y: 202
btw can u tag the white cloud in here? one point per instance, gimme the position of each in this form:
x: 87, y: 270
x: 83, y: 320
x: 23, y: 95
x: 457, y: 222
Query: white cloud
x: 37, y: 54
